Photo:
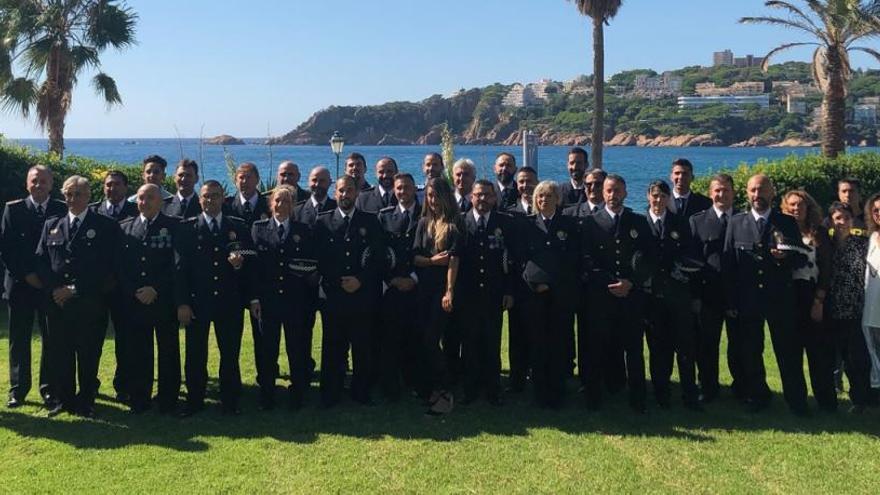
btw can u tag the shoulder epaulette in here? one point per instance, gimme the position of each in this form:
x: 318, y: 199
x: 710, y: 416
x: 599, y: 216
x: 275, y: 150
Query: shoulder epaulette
x: 262, y: 221
x: 15, y: 201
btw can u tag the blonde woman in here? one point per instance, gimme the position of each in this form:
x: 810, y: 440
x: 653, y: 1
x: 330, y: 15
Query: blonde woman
x: 871, y: 312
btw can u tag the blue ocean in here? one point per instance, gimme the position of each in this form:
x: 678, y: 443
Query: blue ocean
x: 638, y: 165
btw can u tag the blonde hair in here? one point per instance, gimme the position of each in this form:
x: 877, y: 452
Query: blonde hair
x: 75, y: 181
x: 546, y: 186
x: 442, y: 223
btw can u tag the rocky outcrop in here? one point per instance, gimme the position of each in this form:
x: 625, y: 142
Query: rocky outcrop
x: 224, y: 140
x: 684, y: 140
x: 796, y: 143
x: 754, y: 141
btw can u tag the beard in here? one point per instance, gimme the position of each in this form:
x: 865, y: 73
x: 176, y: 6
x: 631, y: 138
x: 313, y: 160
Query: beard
x: 576, y: 175
x: 504, y: 177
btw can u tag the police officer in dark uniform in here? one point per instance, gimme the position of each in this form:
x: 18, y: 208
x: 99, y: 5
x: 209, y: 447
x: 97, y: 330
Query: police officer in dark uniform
x: 146, y: 286
x: 573, y: 190
x: 670, y: 321
x: 350, y: 257
x: 115, y: 206
x: 185, y: 202
x: 77, y: 253
x: 399, y: 343
x: 549, y: 254
x: 319, y: 184
x: 19, y: 235
x: 288, y: 271
x: 618, y: 254
x: 485, y: 289
x: 709, y: 228
x: 684, y: 202
x: 505, y: 171
x: 382, y: 195
x: 211, y: 287
x: 757, y: 269
x: 432, y: 166
x: 464, y: 174
x: 288, y: 175
x: 356, y: 168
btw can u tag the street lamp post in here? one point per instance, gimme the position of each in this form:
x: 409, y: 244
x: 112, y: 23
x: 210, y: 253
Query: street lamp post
x: 336, y: 144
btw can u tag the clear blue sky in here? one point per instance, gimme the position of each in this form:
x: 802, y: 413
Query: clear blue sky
x: 240, y: 66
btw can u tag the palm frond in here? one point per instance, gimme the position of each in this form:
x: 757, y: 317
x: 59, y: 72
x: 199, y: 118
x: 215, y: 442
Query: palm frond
x: 105, y: 86
x: 779, y: 4
x: 36, y: 55
x: 777, y: 21
x: 84, y: 57
x: 606, y: 9
x: 19, y: 94
x: 870, y: 51
x: 766, y: 64
x: 112, y: 25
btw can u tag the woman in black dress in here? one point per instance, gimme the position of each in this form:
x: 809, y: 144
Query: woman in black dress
x: 435, y: 249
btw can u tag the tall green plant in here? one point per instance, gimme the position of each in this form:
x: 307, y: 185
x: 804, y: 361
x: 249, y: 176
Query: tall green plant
x: 447, y: 149
x: 53, y: 43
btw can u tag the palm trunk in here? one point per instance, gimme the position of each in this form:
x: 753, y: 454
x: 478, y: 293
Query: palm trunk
x: 834, y: 108
x: 52, y: 108
x: 598, y: 135
x: 55, y: 125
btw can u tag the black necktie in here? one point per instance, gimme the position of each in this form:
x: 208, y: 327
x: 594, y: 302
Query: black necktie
x: 183, y: 207
x: 616, y: 222
x: 762, y: 224
x: 595, y: 209
x: 461, y: 203
x: 680, y: 205
x: 40, y: 211
x: 481, y: 225
x: 281, y: 232
x: 345, y: 223
x: 406, y: 220
x: 386, y: 198
x: 724, y: 221
x: 529, y: 210
x: 214, y: 226
x: 74, y: 227
x: 247, y: 208
x: 547, y: 222
x: 659, y: 224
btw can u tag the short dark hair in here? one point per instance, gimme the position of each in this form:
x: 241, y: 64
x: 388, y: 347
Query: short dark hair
x: 837, y: 206
x: 212, y: 183
x: 851, y: 181
x: 597, y: 171
x: 504, y: 153
x: 248, y: 167
x: 684, y: 162
x: 529, y: 170
x: 155, y: 159
x: 358, y: 157
x: 484, y: 183
x: 187, y: 163
x: 726, y: 178
x: 436, y: 155
x: 404, y: 176
x: 119, y: 175
x: 577, y: 150
x: 392, y: 160
x: 616, y: 178
x: 660, y: 185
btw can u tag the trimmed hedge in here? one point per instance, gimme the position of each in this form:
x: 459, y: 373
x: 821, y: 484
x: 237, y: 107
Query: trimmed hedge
x: 814, y: 173
x: 15, y: 160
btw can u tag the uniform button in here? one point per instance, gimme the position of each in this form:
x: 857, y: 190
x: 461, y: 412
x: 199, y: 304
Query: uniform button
x: 281, y: 251
x: 481, y: 257
x: 216, y: 263
x: 617, y: 251
x: 347, y: 253
x: 143, y: 274
x: 216, y: 249
x: 66, y: 275
x: 67, y: 261
x: 760, y: 286
x: 348, y: 268
x: 481, y: 244
x: 143, y: 258
x: 145, y: 243
x: 618, y: 262
x: 481, y: 285
x: 548, y: 243
x: 280, y: 263
x: 482, y: 271
x: 760, y: 272
x: 216, y: 277
x: 617, y: 241
x: 281, y: 291
x: 216, y: 292
x: 280, y: 278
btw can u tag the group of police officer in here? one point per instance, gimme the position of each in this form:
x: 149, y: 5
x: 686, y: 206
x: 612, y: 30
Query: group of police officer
x: 583, y: 278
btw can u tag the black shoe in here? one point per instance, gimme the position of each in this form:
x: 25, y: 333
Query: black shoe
x: 639, y: 408
x: 266, y: 404
x: 664, y: 402
x: 495, y: 400
x: 468, y: 400
x: 190, y: 410
x: 693, y: 405
x: 857, y: 409
x: 168, y: 408
x: 86, y: 412
x: 230, y: 410
x: 14, y: 402
x: 123, y: 397
x: 56, y: 409
x: 138, y: 409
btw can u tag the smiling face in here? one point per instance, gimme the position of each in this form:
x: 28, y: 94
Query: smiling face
x: 149, y: 201
x: 681, y: 178
x: 657, y: 201
x: 577, y: 165
x: 355, y: 168
x: 432, y: 166
x: 319, y: 183
x: 154, y: 173
x: 760, y: 193
x: 796, y: 207
x: 288, y: 174
x: 385, y: 172
x: 614, y: 194
x: 185, y: 178
x: 463, y: 179
x: 525, y: 184
x: 39, y: 184
x: 211, y: 199
x: 404, y: 191
x: 484, y: 198
x: 721, y: 194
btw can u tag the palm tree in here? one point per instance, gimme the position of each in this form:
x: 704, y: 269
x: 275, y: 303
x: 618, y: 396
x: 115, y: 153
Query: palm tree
x: 600, y: 11
x: 834, y: 26
x: 53, y: 42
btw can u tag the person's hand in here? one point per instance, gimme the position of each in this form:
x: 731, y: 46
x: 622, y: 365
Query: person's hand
x: 777, y: 254
x: 236, y: 260
x: 621, y: 288
x: 817, y: 311
x: 33, y: 280
x: 440, y: 259
x: 146, y: 295
x: 350, y: 284
x: 185, y: 314
x: 256, y: 310
x: 403, y: 284
x: 447, y: 301
x: 507, y: 302
x: 61, y: 295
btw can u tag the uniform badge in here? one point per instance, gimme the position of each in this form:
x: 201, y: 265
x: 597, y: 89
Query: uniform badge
x: 498, y: 232
x: 232, y: 235
x: 634, y: 233
x: 264, y: 216
x: 362, y: 231
x: 674, y: 235
x: 90, y: 234
x: 296, y: 238
x: 561, y: 235
x: 163, y: 231
x: 54, y: 231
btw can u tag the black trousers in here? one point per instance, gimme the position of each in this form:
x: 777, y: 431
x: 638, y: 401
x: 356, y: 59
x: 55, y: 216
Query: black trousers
x: 615, y: 320
x: 711, y: 320
x: 435, y: 324
x: 672, y: 335
x: 121, y: 331
x: 613, y: 360
x: 25, y: 305
x: 143, y: 323
x: 857, y: 361
x: 549, y: 322
x: 399, y: 343
x: 481, y: 350
x: 292, y: 320
x: 76, y: 335
x: 818, y: 342
x: 227, y: 330
x: 518, y: 343
x: 781, y: 321
x: 345, y: 325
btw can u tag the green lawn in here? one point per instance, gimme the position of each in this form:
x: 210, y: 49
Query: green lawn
x: 395, y: 448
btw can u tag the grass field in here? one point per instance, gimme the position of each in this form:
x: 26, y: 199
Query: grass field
x: 394, y: 448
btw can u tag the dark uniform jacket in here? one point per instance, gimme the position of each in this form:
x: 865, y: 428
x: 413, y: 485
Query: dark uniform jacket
x: 755, y: 281
x: 707, y: 245
x: 307, y: 213
x: 372, y: 201
x: 286, y: 267
x: 146, y: 258
x: 86, y: 260
x: 301, y: 195
x: 695, y: 203
x: 235, y: 207
x: 399, y: 236
x: 127, y: 210
x: 610, y: 254
x: 550, y: 255
x: 570, y: 195
x: 206, y: 280
x: 487, y: 269
x: 464, y: 204
x: 517, y: 210
x: 507, y: 197
x: 356, y: 251
x: 20, y: 232
x: 672, y: 248
x: 173, y: 204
